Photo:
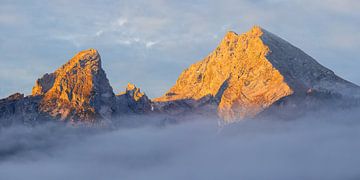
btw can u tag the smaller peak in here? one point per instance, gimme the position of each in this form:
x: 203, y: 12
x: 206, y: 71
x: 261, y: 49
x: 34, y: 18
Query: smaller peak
x: 130, y: 87
x: 133, y: 92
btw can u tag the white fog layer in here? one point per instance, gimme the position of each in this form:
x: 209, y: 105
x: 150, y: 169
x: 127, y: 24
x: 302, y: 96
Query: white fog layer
x: 322, y: 146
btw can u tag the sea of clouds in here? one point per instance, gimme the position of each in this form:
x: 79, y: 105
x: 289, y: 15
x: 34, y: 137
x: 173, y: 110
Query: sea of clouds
x: 320, y: 146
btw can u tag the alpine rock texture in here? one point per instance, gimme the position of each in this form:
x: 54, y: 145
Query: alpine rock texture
x: 248, y: 73
x: 78, y: 90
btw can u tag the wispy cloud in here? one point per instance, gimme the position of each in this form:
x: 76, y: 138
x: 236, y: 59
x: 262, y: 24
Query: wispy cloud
x: 151, y: 43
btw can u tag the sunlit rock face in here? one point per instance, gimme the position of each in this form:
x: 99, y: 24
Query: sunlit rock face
x: 78, y: 91
x: 247, y: 73
x: 132, y: 100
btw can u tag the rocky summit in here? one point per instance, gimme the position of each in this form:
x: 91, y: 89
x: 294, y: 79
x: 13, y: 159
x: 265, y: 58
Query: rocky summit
x: 247, y: 75
x: 77, y: 92
x: 132, y: 100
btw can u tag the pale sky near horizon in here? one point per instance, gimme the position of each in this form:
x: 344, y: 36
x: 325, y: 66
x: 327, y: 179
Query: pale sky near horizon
x: 149, y: 43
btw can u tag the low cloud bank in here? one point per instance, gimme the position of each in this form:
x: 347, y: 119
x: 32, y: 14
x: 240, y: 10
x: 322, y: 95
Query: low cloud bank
x: 324, y: 146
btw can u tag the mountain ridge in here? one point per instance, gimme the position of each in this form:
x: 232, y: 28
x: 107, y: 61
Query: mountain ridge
x: 245, y: 75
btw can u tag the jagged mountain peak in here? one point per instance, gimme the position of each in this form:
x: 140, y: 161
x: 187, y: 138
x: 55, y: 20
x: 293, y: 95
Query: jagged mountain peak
x: 133, y: 92
x: 89, y: 58
x: 78, y: 90
x: 249, y: 72
x: 131, y: 87
x: 132, y: 100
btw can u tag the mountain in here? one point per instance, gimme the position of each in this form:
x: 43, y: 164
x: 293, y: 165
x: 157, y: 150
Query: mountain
x: 77, y: 92
x: 248, y: 73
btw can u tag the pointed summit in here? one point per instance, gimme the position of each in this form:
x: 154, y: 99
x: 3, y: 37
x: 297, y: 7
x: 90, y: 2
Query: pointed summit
x: 247, y: 73
x: 130, y: 87
x: 78, y: 90
x: 133, y: 92
x: 133, y: 101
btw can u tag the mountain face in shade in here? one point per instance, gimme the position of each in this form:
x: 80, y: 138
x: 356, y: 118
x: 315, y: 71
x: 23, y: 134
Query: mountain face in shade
x: 248, y: 73
x: 133, y: 101
x: 18, y: 109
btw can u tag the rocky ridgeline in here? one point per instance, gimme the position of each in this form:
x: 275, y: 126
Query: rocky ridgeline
x: 246, y: 75
x: 77, y: 92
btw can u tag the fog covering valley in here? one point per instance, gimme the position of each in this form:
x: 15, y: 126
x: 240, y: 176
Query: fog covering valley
x: 318, y: 145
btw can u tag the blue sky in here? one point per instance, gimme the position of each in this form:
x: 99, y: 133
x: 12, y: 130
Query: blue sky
x: 149, y: 43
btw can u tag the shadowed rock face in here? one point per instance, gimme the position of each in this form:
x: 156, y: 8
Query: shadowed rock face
x: 133, y: 101
x: 247, y: 73
x: 77, y: 91
x: 44, y: 84
x: 17, y: 109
